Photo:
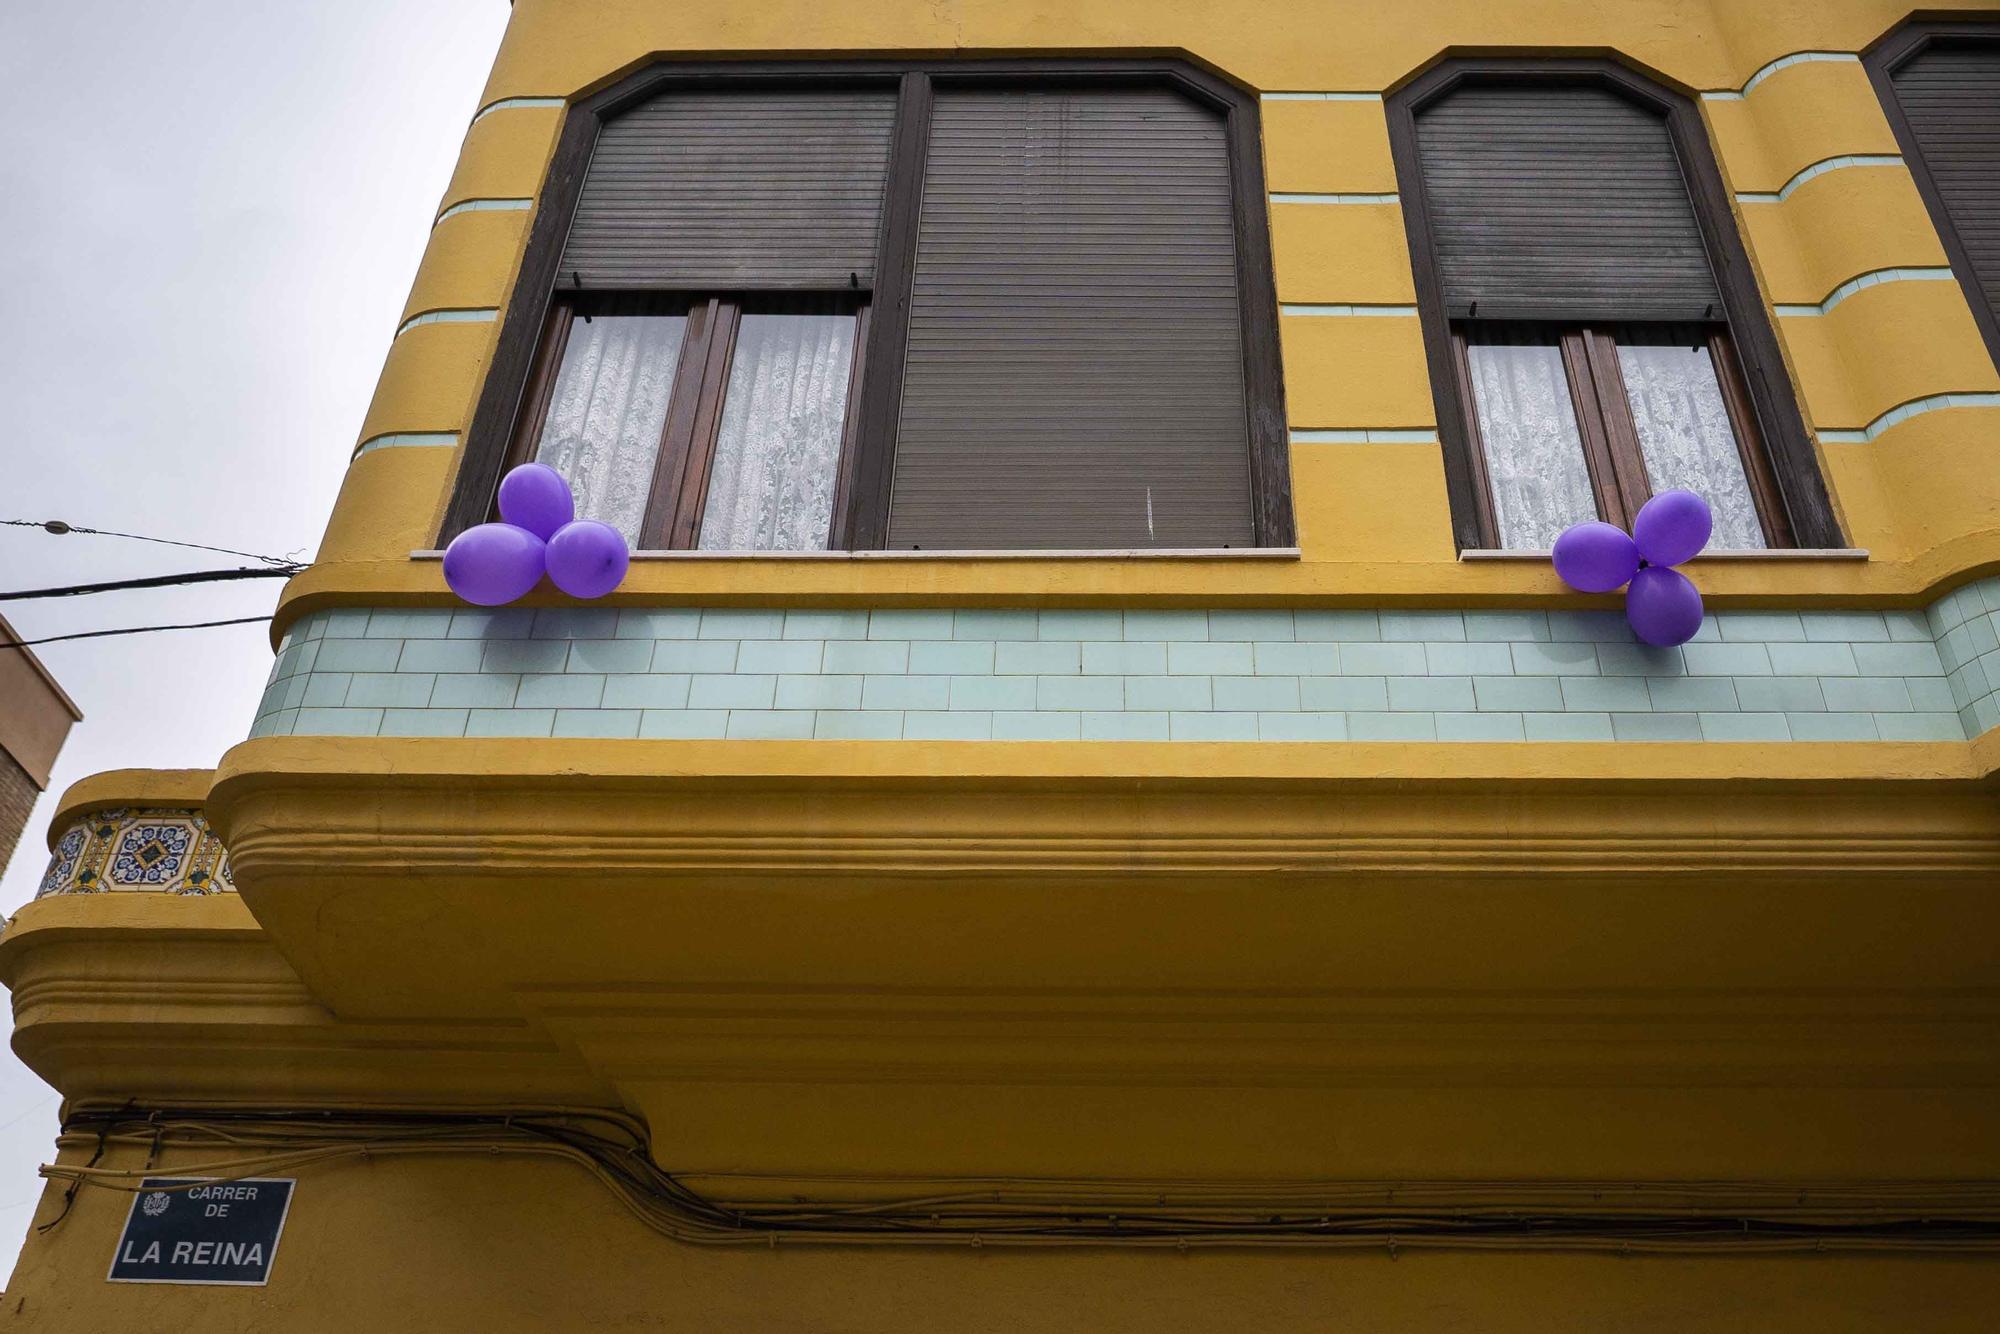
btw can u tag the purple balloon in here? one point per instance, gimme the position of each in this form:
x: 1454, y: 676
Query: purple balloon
x: 587, y: 558
x: 1595, y: 557
x: 1663, y: 606
x: 493, y: 563
x: 534, y: 496
x: 1672, y: 527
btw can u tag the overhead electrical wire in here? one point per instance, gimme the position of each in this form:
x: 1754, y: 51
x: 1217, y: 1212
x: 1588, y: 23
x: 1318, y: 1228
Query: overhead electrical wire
x: 152, y: 581
x: 617, y: 1151
x: 274, y: 567
x: 131, y: 630
x: 60, y: 529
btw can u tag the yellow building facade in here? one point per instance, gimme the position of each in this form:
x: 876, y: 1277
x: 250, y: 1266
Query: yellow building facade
x: 1353, y: 928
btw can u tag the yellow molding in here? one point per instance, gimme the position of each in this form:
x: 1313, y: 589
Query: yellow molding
x: 184, y: 1000
x: 132, y: 916
x: 170, y: 789
x: 645, y: 765
x: 923, y: 944
x: 1896, y: 580
x: 1284, y: 45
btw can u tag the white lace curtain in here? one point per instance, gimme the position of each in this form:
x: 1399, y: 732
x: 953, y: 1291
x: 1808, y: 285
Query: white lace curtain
x: 1534, y: 454
x: 1685, y: 433
x: 607, y: 411
x: 778, y: 451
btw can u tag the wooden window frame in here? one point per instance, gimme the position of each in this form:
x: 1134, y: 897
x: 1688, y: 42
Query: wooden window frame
x: 1761, y: 387
x: 685, y: 458
x: 1612, y: 452
x: 861, y: 512
x: 1881, y: 60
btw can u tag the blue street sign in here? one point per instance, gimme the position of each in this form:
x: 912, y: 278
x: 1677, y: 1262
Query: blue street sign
x: 201, y: 1230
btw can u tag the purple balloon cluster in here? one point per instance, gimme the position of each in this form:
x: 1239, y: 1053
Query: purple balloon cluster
x: 1662, y: 604
x: 539, y: 533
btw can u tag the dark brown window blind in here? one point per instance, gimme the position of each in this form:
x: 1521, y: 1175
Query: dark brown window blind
x: 1560, y: 203
x: 1075, y: 366
x: 736, y: 189
x: 1950, y: 96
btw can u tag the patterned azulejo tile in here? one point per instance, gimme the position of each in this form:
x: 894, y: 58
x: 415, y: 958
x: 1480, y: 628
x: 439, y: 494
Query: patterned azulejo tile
x: 138, y: 850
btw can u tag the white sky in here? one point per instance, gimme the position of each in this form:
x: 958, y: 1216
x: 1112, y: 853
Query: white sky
x: 210, y: 214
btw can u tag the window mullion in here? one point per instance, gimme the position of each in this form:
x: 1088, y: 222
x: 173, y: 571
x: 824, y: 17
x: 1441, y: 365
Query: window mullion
x: 863, y: 523
x: 675, y: 437
x: 1598, y: 453
x: 706, y: 420
x: 1621, y: 432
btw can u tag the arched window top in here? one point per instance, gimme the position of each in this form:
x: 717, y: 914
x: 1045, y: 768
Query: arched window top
x: 970, y: 305
x: 1940, y: 88
x: 1560, y: 201
x: 1594, y: 331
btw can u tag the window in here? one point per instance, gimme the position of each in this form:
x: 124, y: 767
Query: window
x: 1593, y: 331
x: 1940, y: 86
x: 1580, y: 423
x: 985, y: 306
x: 714, y: 424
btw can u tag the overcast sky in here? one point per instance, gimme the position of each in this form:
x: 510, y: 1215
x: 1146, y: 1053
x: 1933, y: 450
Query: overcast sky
x: 210, y: 214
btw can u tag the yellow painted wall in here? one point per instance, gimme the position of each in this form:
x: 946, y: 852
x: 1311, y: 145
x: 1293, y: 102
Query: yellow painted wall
x: 1876, y: 350
x: 622, y: 886
x: 504, y: 154
x: 503, y: 1245
x: 1797, y: 116
x: 469, y: 263
x: 1343, y: 254
x: 1552, y: 1042
x: 1838, y: 226
x: 1327, y: 148
x: 1885, y: 346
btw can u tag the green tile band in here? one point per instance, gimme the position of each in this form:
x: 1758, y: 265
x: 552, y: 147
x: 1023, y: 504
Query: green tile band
x: 1161, y: 675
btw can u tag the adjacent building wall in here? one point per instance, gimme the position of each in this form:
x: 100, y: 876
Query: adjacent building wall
x: 35, y: 718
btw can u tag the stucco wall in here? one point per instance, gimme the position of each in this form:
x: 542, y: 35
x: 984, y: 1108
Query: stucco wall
x: 1885, y: 359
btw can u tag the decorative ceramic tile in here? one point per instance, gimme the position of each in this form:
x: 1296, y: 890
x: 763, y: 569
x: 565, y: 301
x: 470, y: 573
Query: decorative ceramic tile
x: 138, y: 849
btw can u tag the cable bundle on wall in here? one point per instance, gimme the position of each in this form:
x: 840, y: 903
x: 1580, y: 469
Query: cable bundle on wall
x: 616, y: 1149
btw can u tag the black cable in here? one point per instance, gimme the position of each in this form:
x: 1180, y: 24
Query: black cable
x: 152, y: 581
x: 58, y: 527
x: 133, y: 630
x: 626, y: 1155
x: 69, y: 1196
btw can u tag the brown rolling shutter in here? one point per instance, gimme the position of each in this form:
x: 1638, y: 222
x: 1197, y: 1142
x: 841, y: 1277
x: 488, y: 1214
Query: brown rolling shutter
x: 1074, y: 376
x: 1560, y: 203
x: 738, y: 190
x: 1950, y: 95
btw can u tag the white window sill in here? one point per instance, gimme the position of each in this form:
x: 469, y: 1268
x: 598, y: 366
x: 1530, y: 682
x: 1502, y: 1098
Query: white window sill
x: 1782, y: 554
x: 1150, y: 553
